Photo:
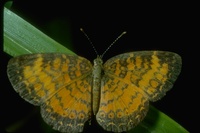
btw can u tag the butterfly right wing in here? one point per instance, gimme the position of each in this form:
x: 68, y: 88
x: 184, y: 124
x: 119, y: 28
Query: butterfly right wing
x: 60, y: 84
x: 129, y: 82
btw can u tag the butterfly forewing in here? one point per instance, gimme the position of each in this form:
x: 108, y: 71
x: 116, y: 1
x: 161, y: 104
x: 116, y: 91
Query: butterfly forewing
x: 59, y: 83
x: 154, y: 72
x: 130, y: 81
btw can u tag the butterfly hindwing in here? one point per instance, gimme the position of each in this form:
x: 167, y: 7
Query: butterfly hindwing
x: 70, y: 108
x: 122, y: 106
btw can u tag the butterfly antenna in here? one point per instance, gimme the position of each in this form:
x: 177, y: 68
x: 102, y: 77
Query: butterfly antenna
x: 113, y: 43
x: 81, y: 29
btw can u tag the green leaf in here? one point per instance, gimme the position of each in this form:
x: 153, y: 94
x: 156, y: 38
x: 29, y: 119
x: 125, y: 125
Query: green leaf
x: 20, y: 37
x: 158, y: 122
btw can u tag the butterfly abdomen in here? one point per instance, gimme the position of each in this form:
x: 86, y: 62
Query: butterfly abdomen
x: 97, y: 71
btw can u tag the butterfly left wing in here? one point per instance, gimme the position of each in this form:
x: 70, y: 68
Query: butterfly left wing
x: 60, y: 84
x: 130, y: 81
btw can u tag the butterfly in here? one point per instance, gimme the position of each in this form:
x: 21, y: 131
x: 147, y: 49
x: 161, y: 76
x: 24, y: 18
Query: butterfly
x: 70, y: 89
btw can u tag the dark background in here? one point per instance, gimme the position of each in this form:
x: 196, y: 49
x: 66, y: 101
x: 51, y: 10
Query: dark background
x: 149, y: 26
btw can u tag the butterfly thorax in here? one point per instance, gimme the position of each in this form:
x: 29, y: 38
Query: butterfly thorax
x: 97, y: 72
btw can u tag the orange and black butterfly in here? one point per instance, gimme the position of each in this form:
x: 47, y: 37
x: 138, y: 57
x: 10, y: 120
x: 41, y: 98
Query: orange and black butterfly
x: 70, y: 89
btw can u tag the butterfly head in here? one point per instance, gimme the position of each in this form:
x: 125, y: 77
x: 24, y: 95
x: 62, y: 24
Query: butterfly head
x: 98, y: 61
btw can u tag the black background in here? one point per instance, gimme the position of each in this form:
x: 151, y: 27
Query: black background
x: 149, y: 26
